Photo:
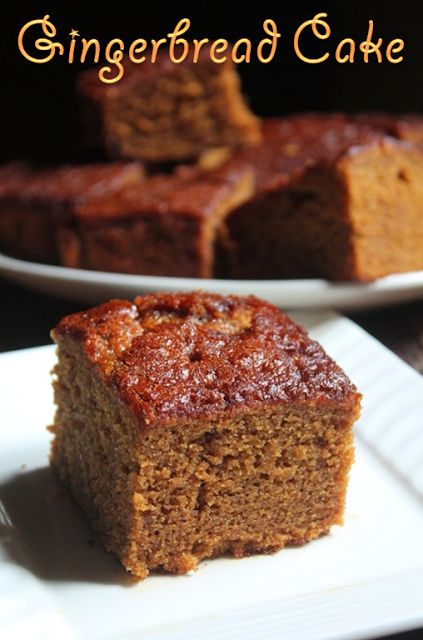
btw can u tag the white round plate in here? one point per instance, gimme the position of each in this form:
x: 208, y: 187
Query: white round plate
x: 96, y: 286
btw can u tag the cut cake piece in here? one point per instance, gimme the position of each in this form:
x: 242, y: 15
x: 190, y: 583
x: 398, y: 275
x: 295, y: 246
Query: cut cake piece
x: 193, y: 425
x: 167, y: 225
x: 334, y: 199
x: 35, y: 202
x: 165, y: 112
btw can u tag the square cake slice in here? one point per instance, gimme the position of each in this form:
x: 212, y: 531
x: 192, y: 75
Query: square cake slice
x: 165, y: 112
x: 335, y: 199
x: 34, y: 203
x: 193, y: 425
x: 166, y: 225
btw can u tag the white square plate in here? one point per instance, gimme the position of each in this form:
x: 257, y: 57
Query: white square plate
x: 364, y: 579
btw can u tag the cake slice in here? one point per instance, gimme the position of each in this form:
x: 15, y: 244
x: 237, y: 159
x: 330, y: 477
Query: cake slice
x: 165, y: 112
x: 166, y: 225
x: 193, y: 425
x: 334, y: 198
x: 34, y: 203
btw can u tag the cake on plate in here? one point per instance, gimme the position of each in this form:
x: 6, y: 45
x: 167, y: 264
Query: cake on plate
x: 335, y: 198
x: 193, y: 425
x: 164, y: 225
x: 36, y: 202
x: 166, y: 112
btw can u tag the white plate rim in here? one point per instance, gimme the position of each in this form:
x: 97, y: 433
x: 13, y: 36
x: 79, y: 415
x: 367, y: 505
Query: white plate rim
x: 305, y: 293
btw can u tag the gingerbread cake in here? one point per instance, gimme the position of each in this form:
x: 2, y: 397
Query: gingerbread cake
x: 194, y: 425
x: 164, y: 225
x: 334, y: 198
x: 337, y: 196
x: 34, y: 203
x: 165, y: 112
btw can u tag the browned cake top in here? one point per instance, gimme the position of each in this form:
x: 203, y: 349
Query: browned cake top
x: 69, y: 182
x: 189, y: 191
x: 407, y: 127
x: 291, y: 145
x: 180, y: 356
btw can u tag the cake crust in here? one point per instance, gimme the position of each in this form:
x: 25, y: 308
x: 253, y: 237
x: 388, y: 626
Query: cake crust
x: 197, y: 354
